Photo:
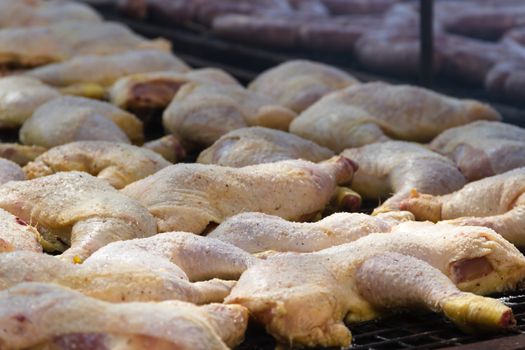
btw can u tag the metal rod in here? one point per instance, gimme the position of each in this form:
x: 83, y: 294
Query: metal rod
x: 426, y: 35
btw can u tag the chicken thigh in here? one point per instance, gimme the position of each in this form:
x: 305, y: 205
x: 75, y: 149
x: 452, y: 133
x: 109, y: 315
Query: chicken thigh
x: 497, y: 202
x: 118, y: 163
x: 257, y: 232
x: 10, y: 171
x: 15, y: 234
x: 67, y: 119
x: 189, y: 197
x: 201, y: 113
x: 105, y: 70
x: 76, y: 212
x: 373, y: 112
x: 174, y: 265
x: 38, y: 13
x: 19, y: 97
x: 47, y: 316
x: 256, y: 145
x: 154, y: 91
x: 394, y: 168
x: 483, y: 148
x: 66, y: 39
x: 298, y: 84
x: 20, y: 154
x: 302, y: 298
x: 167, y: 146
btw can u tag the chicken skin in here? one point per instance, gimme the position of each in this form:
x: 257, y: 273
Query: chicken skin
x: 38, y: 13
x: 302, y: 298
x: 20, y: 154
x: 155, y: 90
x: 374, y: 112
x: 300, y: 83
x: 118, y: 163
x: 201, y: 113
x: 76, y: 213
x: 68, y: 119
x: 189, y: 197
x: 105, y: 70
x: 257, y: 232
x: 497, y: 202
x: 10, y: 171
x: 257, y: 145
x: 47, y: 316
x: 483, y: 148
x: 15, y: 235
x: 19, y: 97
x: 397, y: 167
x: 168, y: 147
x: 66, y: 39
x: 168, y: 266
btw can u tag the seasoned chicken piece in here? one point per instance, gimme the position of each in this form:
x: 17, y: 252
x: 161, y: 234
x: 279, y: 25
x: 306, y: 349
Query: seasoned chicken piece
x: 19, y: 97
x: 161, y: 267
x: 20, y: 154
x: 105, y: 70
x: 116, y: 282
x: 256, y: 145
x: 169, y: 147
x: 202, y: 113
x: 483, y: 148
x: 298, y: 84
x: 63, y: 40
x: 153, y: 91
x: 38, y: 13
x: 200, y: 258
x: 49, y: 316
x: 76, y: 212
x: 393, y: 169
x: 302, y: 298
x: 497, y: 202
x: 118, y: 163
x: 10, y: 171
x: 373, y: 112
x: 189, y: 197
x: 257, y: 232
x: 15, y: 234
x: 67, y: 119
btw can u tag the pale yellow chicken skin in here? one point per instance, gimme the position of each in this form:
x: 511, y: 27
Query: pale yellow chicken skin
x: 497, y: 202
x: 390, y: 170
x: 167, y: 266
x: 67, y: 119
x: 19, y: 97
x: 302, y: 298
x: 483, y: 148
x: 15, y: 234
x: 189, y: 197
x: 76, y: 213
x: 257, y: 232
x: 155, y: 90
x: 257, y: 145
x: 46, y: 315
x: 375, y: 112
x: 298, y: 84
x: 105, y: 70
x: 118, y: 163
x: 201, y: 113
